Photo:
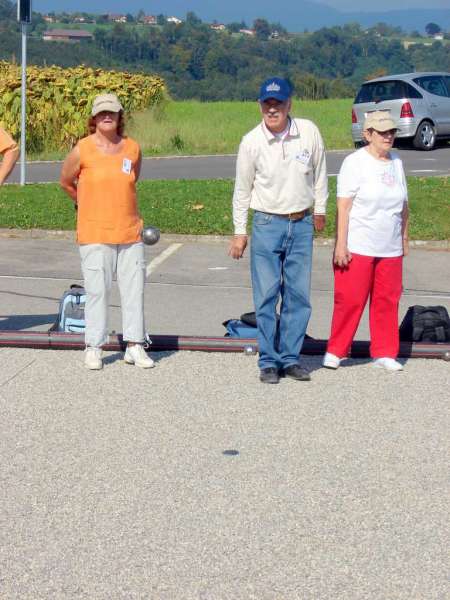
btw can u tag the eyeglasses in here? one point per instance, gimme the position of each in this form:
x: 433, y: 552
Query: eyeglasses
x: 387, y: 133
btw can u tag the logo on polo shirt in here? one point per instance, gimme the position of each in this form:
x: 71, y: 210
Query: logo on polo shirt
x: 273, y: 87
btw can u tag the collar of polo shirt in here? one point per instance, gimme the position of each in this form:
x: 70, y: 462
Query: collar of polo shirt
x: 293, y: 130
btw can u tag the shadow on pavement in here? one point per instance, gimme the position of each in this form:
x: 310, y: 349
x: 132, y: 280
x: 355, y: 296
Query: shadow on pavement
x: 19, y: 322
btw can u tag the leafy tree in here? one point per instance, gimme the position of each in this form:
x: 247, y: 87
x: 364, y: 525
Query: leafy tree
x: 278, y: 27
x: 386, y: 30
x: 430, y: 58
x: 197, y: 63
x: 262, y: 29
x: 432, y: 28
x: 235, y: 26
x: 377, y: 73
x: 192, y: 19
x: 6, y: 10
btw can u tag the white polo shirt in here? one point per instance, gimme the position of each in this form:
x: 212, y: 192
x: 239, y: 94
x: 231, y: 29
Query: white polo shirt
x: 278, y: 174
x: 378, y: 189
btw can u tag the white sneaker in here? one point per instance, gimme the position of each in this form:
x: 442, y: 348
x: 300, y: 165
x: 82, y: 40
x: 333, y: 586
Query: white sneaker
x: 331, y: 361
x: 136, y: 355
x: 93, y: 358
x: 390, y: 364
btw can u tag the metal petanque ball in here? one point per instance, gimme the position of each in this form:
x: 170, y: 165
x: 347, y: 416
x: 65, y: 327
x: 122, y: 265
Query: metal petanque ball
x: 150, y: 235
x: 446, y: 356
x: 249, y: 350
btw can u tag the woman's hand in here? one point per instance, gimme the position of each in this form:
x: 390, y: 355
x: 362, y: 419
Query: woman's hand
x: 405, y: 237
x: 405, y: 246
x: 342, y: 257
x: 69, y: 174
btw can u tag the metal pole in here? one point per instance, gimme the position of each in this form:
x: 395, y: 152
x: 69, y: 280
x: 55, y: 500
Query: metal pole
x: 75, y: 341
x: 24, y: 104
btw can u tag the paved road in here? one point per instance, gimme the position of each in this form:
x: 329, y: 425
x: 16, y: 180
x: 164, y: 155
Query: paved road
x: 193, y: 481
x: 223, y: 167
x: 192, y: 285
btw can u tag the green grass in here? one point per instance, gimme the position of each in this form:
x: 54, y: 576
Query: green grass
x: 193, y: 127
x: 204, y: 207
x: 74, y: 26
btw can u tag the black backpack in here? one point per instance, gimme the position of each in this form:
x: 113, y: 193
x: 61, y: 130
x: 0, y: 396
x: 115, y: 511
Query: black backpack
x: 425, y: 324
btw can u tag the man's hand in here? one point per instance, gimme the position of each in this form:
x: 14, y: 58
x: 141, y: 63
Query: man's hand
x: 319, y: 222
x: 237, y: 246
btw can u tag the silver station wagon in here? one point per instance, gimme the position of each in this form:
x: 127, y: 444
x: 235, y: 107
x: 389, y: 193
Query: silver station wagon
x: 418, y: 102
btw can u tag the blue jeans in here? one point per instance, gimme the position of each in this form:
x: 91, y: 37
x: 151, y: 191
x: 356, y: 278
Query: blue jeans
x: 281, y: 258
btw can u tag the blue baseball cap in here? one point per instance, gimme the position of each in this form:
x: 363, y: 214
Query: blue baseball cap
x: 277, y: 88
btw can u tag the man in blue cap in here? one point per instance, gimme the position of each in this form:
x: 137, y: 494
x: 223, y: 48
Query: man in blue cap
x: 281, y: 175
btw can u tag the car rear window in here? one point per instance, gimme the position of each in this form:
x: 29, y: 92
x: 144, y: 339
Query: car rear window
x: 378, y: 91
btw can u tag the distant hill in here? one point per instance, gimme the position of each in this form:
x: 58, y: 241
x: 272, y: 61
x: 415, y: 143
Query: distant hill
x: 295, y: 15
x: 408, y: 20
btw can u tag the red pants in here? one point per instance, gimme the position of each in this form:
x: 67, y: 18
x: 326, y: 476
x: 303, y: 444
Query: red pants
x: 382, y: 279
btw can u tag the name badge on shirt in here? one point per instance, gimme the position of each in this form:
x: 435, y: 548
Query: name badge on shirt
x: 126, y: 166
x: 303, y: 157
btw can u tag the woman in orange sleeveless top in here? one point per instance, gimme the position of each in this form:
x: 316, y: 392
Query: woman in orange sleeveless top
x: 100, y: 176
x: 10, y: 153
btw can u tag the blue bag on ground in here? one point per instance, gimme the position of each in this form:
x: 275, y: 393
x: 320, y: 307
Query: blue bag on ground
x: 246, y: 328
x: 71, y: 311
x: 236, y: 328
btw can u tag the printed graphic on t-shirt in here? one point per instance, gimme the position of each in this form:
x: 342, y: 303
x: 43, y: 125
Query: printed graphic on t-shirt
x: 388, y: 176
x: 126, y: 166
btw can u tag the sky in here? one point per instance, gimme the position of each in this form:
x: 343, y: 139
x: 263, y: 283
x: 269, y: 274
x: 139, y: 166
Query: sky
x: 382, y: 5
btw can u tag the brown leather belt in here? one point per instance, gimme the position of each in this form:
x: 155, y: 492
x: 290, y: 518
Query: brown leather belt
x: 294, y: 216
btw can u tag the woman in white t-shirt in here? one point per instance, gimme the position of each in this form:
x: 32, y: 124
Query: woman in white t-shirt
x: 371, y: 240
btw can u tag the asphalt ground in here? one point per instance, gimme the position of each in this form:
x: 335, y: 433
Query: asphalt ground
x: 194, y: 481
x: 423, y: 164
x: 192, y: 284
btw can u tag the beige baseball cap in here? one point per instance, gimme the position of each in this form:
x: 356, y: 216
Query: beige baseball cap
x: 380, y: 120
x: 106, y: 102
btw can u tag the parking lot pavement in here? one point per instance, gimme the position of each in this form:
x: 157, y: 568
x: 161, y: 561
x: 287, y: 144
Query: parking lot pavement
x: 194, y: 481
x: 193, y: 286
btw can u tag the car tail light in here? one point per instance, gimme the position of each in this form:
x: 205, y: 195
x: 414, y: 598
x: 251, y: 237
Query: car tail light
x: 354, y: 119
x: 407, y: 111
